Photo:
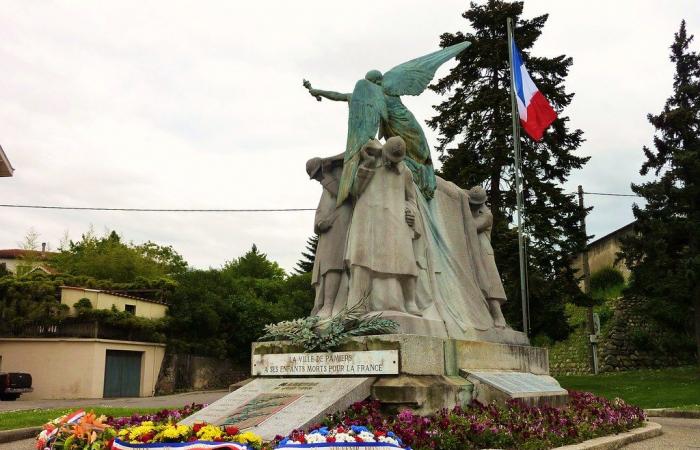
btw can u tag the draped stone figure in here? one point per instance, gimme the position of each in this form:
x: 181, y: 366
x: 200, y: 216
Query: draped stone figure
x: 380, y: 241
x: 495, y: 294
x: 331, y: 225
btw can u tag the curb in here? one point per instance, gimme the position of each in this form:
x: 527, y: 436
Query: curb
x: 19, y: 434
x: 666, y: 412
x: 649, y: 430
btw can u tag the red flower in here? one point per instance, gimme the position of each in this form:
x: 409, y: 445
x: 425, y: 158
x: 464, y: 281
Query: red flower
x: 197, y: 426
x: 231, y: 430
x: 330, y: 438
x: 340, y: 430
x: 146, y: 437
x: 108, y: 444
x: 358, y: 439
x: 218, y: 439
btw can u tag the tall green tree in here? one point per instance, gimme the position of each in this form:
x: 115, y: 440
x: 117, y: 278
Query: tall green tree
x: 306, y: 263
x: 664, y: 252
x: 476, y: 147
x: 110, y: 258
x: 254, y: 264
x: 219, y: 312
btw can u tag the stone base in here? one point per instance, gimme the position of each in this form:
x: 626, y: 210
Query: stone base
x: 416, y: 325
x: 423, y: 394
x: 436, y: 372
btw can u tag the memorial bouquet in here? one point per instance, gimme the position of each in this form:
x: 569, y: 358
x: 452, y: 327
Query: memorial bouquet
x: 148, y: 435
x: 78, y: 430
x: 354, y: 436
x: 86, y: 431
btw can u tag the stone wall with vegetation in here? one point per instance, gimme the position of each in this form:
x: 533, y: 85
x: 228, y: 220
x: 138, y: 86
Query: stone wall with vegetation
x: 183, y: 372
x: 636, y: 341
x: 629, y: 340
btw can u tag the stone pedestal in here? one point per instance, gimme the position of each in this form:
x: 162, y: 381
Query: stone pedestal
x: 293, y: 388
x: 437, y: 372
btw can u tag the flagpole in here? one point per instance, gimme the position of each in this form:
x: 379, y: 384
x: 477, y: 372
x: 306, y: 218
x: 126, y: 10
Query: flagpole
x: 518, y: 181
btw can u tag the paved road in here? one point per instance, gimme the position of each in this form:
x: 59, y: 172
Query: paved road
x: 163, y: 401
x: 678, y: 434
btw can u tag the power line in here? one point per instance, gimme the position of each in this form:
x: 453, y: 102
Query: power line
x: 611, y: 194
x: 210, y: 210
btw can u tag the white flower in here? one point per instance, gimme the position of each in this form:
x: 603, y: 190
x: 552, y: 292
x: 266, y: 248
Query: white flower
x: 367, y: 436
x: 344, y: 437
x: 388, y: 440
x: 315, y: 438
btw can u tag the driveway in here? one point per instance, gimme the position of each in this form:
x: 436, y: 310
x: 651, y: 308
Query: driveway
x: 163, y: 401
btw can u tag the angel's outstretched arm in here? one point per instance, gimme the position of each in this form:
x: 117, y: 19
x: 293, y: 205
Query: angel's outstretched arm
x: 331, y: 95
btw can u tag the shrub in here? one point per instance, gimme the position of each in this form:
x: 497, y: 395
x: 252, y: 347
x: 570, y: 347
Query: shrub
x: 606, y: 278
x: 83, y: 303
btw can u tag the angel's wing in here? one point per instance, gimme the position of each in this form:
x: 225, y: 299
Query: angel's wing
x: 412, y: 77
x: 367, y: 109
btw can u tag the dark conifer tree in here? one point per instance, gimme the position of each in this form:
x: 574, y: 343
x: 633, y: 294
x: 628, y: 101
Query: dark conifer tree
x: 664, y: 252
x: 306, y: 263
x: 476, y: 147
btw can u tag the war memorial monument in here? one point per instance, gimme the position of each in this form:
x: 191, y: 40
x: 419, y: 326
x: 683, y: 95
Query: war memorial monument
x: 396, y: 242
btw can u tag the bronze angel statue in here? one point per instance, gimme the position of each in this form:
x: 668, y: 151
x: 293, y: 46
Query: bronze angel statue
x: 376, y: 107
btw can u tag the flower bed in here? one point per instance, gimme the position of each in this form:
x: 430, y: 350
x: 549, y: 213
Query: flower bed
x: 513, y: 426
x: 363, y: 425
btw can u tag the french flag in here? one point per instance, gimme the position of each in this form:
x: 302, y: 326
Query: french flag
x: 535, y: 112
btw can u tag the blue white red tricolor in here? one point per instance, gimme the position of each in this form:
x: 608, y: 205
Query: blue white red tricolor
x: 196, y: 445
x: 535, y: 112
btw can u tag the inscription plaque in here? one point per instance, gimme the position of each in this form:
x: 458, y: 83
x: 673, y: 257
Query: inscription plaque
x: 518, y: 384
x: 272, y: 406
x: 374, y: 362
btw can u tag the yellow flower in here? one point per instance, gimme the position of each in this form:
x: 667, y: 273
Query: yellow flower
x: 209, y: 432
x: 248, y: 437
x: 170, y: 432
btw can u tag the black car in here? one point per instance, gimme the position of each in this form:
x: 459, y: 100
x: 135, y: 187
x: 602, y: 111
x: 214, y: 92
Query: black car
x: 14, y: 384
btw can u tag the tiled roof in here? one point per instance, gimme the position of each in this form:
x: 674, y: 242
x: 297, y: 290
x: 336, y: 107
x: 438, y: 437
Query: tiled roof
x: 115, y: 293
x: 15, y: 253
x: 6, y: 168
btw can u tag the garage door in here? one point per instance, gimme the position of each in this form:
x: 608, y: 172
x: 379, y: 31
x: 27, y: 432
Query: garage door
x: 122, y: 374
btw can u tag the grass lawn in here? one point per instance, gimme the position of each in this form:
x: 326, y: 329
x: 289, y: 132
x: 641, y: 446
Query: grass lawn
x: 38, y: 417
x: 678, y: 387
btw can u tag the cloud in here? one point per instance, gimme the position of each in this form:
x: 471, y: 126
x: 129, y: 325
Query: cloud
x: 195, y: 105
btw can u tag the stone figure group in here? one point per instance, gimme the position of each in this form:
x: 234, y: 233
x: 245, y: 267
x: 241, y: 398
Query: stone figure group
x: 374, y: 246
x: 392, y: 235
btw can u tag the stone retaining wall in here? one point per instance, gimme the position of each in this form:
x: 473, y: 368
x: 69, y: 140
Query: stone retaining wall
x: 183, y: 372
x: 631, y: 342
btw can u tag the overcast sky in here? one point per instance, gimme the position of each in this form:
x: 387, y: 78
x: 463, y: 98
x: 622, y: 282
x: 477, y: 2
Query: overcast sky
x: 173, y: 104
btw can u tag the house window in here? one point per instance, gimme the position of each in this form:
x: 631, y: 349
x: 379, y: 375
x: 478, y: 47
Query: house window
x: 131, y: 309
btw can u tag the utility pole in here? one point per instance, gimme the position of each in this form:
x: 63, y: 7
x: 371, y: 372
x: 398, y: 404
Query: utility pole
x: 592, y: 338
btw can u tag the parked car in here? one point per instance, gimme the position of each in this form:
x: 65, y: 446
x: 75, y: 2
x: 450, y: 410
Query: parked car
x: 14, y: 384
